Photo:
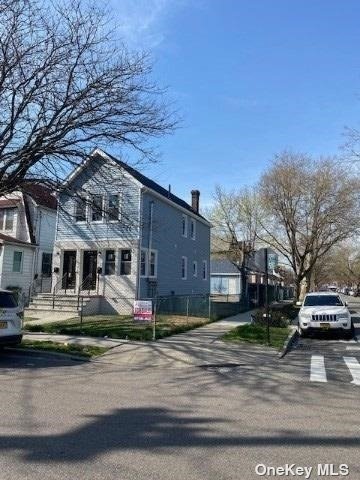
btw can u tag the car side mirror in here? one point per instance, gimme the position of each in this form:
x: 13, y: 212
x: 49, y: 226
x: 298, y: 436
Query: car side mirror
x: 346, y: 304
x: 298, y: 304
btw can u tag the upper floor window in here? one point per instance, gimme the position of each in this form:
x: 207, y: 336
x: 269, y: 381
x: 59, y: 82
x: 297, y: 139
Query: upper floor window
x: 183, y: 268
x: 7, y: 218
x: 125, y: 265
x: 184, y: 227
x: 113, y: 207
x: 80, y: 209
x: 17, y: 262
x: 109, y: 262
x: 193, y: 229
x: 96, y: 208
x: 195, y: 268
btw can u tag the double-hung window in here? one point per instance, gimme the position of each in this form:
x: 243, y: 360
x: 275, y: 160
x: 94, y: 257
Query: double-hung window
x: 109, y: 262
x: 204, y: 270
x: 184, y: 226
x: 125, y: 264
x: 183, y: 268
x: 80, y: 209
x: 7, y: 218
x: 17, y: 262
x: 113, y: 207
x: 153, y: 263
x: 195, y: 268
x: 46, y: 263
x: 193, y: 229
x: 143, y: 263
x: 96, y: 208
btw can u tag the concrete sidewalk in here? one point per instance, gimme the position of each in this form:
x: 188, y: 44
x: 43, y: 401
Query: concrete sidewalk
x: 190, y: 348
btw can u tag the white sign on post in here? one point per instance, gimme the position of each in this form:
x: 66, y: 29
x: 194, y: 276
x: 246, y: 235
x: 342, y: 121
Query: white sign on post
x: 143, y: 310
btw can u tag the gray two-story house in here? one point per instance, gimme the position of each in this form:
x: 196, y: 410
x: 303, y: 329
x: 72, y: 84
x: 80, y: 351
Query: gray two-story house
x: 120, y: 236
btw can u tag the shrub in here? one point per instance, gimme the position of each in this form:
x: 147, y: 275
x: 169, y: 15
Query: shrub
x: 277, y: 318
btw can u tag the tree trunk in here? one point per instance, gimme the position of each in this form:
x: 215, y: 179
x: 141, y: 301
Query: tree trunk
x: 297, y: 288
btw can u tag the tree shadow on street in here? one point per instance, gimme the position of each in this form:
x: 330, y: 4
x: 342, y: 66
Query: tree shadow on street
x: 151, y: 429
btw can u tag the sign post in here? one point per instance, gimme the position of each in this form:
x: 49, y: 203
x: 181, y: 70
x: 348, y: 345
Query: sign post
x: 267, y: 296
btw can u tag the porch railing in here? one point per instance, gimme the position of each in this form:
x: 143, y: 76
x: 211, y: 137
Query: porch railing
x: 86, y: 281
x: 56, y: 288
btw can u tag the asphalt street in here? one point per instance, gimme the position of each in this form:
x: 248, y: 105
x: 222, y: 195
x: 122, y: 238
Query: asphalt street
x: 214, y: 419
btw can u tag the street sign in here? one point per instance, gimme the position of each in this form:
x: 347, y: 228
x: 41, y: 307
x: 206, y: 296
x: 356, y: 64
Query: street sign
x: 143, y: 310
x: 272, y: 261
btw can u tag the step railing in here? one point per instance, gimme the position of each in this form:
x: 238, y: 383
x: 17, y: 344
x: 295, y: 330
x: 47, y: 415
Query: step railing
x: 56, y: 287
x: 85, y: 281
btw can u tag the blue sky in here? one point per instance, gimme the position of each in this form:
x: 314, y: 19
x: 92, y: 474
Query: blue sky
x: 250, y: 79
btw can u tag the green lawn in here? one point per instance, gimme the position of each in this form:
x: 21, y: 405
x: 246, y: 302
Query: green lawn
x: 257, y: 334
x: 117, y: 326
x: 86, y: 351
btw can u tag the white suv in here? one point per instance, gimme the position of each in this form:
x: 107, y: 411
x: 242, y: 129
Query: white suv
x: 11, y: 316
x: 324, y: 311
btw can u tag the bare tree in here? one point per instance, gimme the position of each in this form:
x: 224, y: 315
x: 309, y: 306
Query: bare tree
x: 310, y: 206
x: 235, y: 221
x: 66, y: 86
x: 344, y: 264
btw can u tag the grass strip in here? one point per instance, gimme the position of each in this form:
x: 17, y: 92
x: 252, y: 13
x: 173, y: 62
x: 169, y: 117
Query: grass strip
x: 86, y: 351
x: 122, y: 327
x: 257, y: 334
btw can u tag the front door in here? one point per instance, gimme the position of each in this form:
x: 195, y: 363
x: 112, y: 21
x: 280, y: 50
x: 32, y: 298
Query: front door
x: 89, y: 270
x: 69, y: 270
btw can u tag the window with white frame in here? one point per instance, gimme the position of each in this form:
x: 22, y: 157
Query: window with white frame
x: 80, y: 209
x: 183, y: 268
x: 184, y: 226
x: 125, y: 264
x: 7, y: 218
x: 110, y: 262
x: 96, y: 208
x: 193, y: 229
x: 204, y: 271
x: 195, y: 268
x: 143, y: 263
x: 113, y: 207
x: 17, y: 262
x: 153, y: 263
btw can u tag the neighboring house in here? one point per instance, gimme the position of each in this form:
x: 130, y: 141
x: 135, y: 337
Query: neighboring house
x: 226, y: 278
x: 120, y: 236
x: 27, y: 232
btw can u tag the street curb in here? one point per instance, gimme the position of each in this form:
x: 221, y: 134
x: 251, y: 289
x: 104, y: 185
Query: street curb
x: 70, y: 356
x: 289, y: 342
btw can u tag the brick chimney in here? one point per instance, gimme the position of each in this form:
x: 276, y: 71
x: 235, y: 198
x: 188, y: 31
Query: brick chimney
x: 195, y: 197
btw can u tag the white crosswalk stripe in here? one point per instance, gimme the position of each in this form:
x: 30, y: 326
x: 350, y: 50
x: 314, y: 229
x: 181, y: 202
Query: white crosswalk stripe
x: 354, y: 368
x: 317, y: 369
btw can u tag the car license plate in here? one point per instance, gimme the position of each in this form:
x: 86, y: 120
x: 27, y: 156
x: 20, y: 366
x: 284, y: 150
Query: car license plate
x: 325, y: 326
x: 3, y: 324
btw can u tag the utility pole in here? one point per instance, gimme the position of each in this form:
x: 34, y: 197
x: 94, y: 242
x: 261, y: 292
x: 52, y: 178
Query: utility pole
x: 267, y: 296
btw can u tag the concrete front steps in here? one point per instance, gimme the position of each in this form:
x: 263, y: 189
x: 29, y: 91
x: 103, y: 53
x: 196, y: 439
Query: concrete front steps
x: 65, y: 306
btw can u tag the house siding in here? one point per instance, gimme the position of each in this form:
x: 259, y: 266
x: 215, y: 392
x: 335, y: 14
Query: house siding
x: 21, y: 279
x: 171, y: 246
x: 100, y: 177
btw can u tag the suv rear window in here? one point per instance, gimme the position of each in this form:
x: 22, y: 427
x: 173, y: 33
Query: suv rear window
x: 7, y: 300
x: 323, y: 300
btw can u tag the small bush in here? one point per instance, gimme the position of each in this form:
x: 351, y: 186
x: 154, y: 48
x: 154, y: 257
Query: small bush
x: 277, y: 318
